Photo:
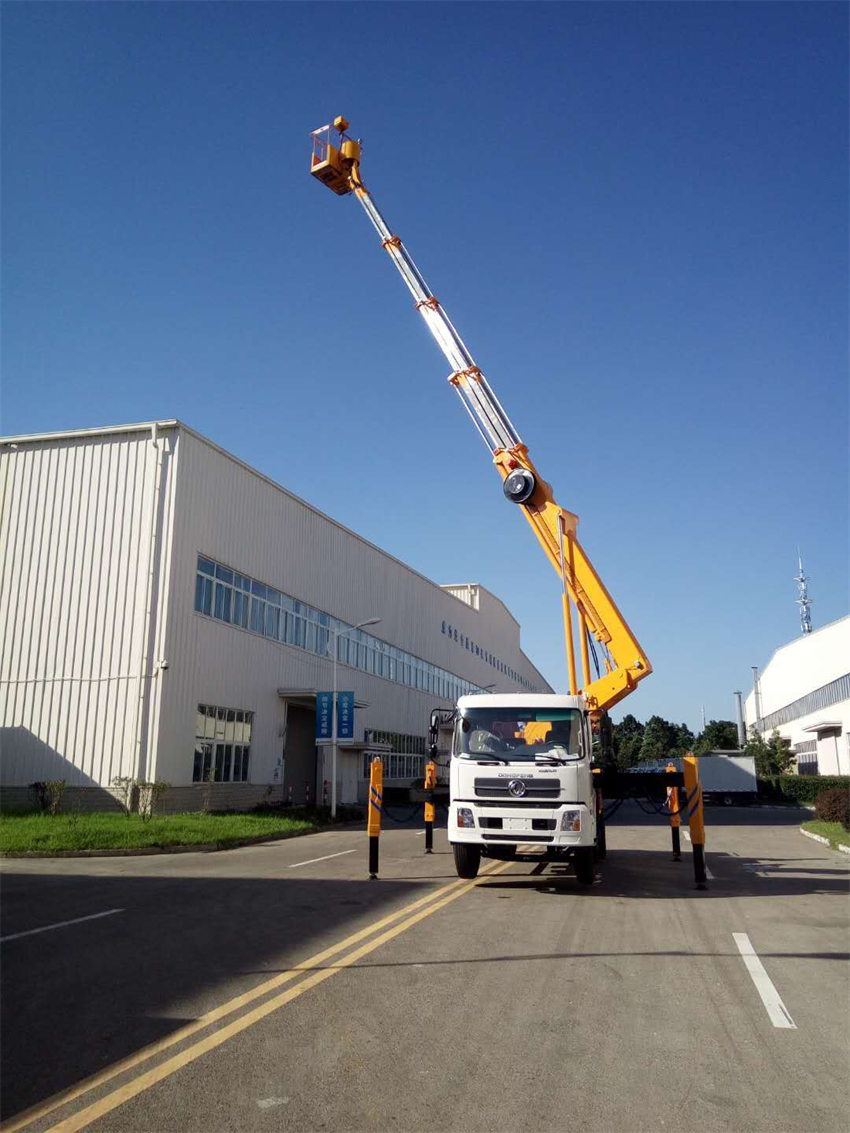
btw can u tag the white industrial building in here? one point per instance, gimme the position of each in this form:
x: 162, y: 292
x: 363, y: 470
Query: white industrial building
x: 166, y: 614
x: 804, y: 692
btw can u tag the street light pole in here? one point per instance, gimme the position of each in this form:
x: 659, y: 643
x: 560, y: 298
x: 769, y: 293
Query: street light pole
x: 334, y: 737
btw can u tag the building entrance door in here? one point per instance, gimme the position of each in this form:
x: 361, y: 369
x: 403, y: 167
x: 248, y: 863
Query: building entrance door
x: 299, y: 759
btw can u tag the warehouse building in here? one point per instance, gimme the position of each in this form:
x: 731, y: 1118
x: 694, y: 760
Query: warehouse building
x: 170, y: 613
x: 804, y: 693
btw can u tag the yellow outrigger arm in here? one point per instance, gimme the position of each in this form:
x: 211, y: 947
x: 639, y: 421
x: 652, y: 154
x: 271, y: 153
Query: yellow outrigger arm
x: 336, y: 163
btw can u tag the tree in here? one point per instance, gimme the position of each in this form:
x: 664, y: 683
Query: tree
x: 773, y: 757
x: 628, y: 737
x: 757, y: 748
x: 660, y: 740
x: 719, y: 735
x: 684, y: 740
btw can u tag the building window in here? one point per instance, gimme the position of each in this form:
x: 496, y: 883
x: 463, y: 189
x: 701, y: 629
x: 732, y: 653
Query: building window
x: 225, y: 595
x: 222, y: 744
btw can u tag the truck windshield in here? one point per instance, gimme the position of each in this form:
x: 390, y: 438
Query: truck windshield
x: 516, y: 733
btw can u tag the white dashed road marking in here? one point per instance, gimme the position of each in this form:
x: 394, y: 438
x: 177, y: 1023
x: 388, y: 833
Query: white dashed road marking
x: 776, y: 1009
x: 324, y: 859
x: 59, y: 924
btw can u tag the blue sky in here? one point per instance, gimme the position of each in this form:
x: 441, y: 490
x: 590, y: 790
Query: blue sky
x: 636, y: 215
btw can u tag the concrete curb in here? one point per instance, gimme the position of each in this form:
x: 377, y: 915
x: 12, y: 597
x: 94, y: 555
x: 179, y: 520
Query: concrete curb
x: 824, y: 841
x: 815, y: 837
x: 195, y: 848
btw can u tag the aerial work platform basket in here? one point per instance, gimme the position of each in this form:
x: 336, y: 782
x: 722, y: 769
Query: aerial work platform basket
x: 332, y: 156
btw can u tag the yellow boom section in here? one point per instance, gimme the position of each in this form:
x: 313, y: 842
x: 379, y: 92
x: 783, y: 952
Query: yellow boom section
x: 336, y: 163
x: 555, y: 528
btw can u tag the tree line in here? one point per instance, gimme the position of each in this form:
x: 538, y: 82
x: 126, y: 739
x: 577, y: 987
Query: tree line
x: 658, y: 740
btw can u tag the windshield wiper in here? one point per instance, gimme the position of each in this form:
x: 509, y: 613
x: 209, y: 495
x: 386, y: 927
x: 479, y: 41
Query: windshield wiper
x: 489, y: 758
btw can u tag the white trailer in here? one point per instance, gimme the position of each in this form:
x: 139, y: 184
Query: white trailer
x: 727, y: 777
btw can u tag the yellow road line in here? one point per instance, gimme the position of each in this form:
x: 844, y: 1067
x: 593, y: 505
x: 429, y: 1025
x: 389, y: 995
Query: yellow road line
x: 42, y: 1109
x: 84, y: 1117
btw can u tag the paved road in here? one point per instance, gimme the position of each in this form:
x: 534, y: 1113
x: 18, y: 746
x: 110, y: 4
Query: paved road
x: 249, y: 991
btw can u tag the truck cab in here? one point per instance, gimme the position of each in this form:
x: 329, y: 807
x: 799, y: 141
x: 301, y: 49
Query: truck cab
x: 521, y: 778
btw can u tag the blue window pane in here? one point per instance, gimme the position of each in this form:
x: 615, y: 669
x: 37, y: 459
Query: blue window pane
x: 241, y: 603
x: 222, y: 602
x: 272, y: 621
x: 242, y: 582
x: 224, y: 574
x: 273, y: 595
x: 258, y: 589
x: 206, y: 566
x: 207, y: 601
x: 199, y: 592
x: 258, y: 615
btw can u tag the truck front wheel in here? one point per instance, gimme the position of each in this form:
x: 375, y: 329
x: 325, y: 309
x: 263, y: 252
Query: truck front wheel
x: 467, y: 859
x: 583, y: 858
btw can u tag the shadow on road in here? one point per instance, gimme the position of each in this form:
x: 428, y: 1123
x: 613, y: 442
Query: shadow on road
x: 652, y: 874
x: 79, y: 998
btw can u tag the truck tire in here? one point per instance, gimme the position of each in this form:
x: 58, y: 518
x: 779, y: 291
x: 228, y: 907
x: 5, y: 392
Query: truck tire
x: 467, y: 859
x: 583, y: 858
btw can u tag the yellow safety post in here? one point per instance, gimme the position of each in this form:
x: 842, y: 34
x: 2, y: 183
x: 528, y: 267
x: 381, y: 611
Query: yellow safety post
x: 675, y: 819
x: 430, y: 784
x: 693, y: 803
x: 373, y: 825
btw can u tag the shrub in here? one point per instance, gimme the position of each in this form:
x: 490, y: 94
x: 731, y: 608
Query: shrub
x: 806, y: 788
x: 150, y: 794
x: 126, y: 787
x: 843, y: 811
x: 833, y: 805
x: 48, y: 795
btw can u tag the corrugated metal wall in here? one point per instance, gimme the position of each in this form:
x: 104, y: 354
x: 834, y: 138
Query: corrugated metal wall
x: 100, y: 536
x: 236, y: 517
x: 81, y: 532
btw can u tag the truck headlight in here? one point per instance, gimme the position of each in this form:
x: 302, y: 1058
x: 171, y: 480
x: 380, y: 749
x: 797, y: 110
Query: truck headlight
x: 571, y: 820
x: 465, y: 817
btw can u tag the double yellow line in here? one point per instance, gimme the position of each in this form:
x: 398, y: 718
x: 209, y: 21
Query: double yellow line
x: 412, y: 914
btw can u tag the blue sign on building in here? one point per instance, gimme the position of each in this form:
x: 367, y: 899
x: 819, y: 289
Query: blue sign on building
x: 324, y: 716
x: 345, y: 715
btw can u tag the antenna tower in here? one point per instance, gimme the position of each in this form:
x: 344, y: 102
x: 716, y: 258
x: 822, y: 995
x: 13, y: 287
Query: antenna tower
x: 804, y: 601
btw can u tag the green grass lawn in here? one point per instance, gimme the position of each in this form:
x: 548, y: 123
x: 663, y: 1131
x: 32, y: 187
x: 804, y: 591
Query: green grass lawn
x: 20, y: 832
x: 832, y: 830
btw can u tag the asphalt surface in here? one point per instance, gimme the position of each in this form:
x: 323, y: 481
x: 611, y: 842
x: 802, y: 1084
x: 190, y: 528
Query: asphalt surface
x: 517, y: 1002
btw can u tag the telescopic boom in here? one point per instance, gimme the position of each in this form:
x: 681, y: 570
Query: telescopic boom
x: 336, y: 163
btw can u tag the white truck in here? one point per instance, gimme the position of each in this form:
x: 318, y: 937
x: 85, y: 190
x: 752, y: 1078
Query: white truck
x: 727, y: 777
x: 520, y: 776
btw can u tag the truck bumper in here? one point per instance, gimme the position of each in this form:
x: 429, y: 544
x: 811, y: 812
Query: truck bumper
x: 518, y: 826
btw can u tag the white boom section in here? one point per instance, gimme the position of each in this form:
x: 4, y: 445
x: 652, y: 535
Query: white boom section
x: 478, y: 398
